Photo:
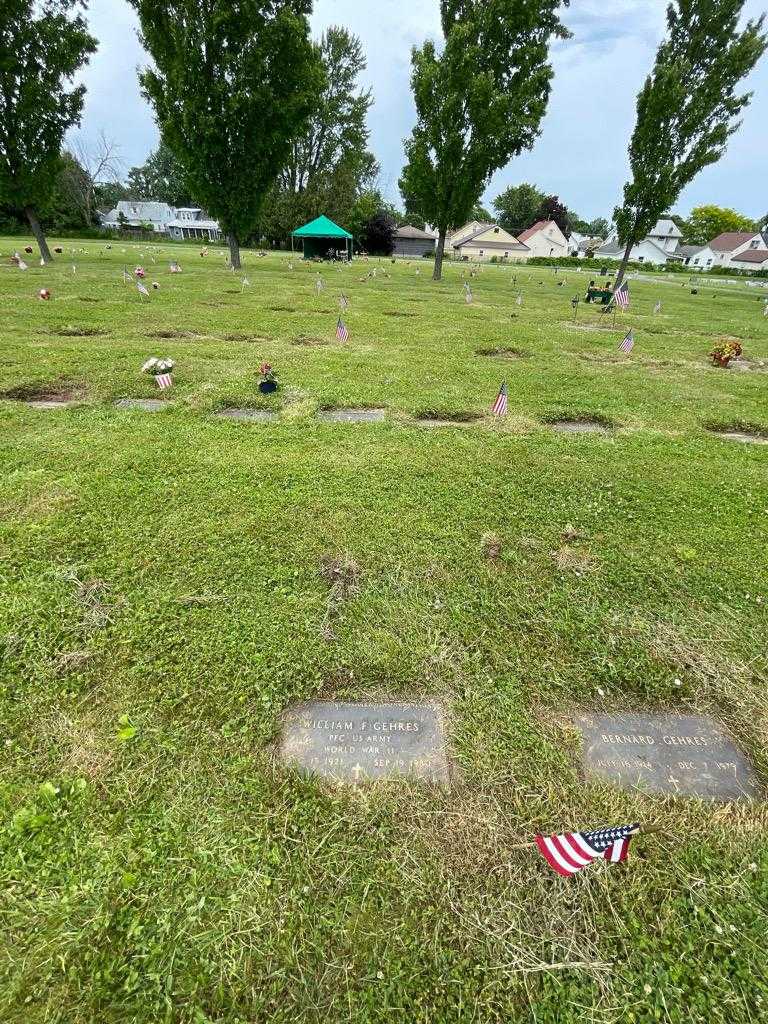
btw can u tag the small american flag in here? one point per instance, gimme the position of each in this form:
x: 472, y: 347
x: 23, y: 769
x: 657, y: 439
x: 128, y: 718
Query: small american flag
x: 343, y: 301
x: 163, y: 380
x: 519, y: 300
x: 319, y: 285
x: 21, y: 265
x: 341, y: 331
x: 628, y: 343
x: 142, y: 288
x: 573, y: 851
x: 126, y: 276
x: 657, y: 307
x: 468, y: 293
x: 246, y: 284
x: 502, y: 400
x: 621, y: 295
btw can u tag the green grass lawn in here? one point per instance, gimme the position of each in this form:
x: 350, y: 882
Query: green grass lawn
x: 164, y: 601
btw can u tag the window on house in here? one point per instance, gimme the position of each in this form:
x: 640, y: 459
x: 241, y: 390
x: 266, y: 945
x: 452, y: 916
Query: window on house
x: 641, y: 259
x: 495, y: 231
x: 506, y: 254
x: 482, y: 253
x: 754, y: 245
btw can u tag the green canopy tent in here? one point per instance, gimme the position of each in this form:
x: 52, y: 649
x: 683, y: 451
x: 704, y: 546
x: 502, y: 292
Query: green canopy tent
x: 320, y: 235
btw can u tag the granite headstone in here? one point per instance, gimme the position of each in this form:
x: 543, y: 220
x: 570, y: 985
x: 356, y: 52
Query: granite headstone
x: 678, y: 755
x: 350, y: 742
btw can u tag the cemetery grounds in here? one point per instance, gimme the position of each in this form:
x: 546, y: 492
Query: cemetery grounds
x: 173, y: 581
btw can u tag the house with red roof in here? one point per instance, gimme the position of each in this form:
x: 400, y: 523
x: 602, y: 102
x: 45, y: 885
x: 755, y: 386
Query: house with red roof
x: 731, y: 245
x: 544, y: 238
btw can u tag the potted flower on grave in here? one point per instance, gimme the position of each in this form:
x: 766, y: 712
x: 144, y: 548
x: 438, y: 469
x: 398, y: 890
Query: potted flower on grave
x: 724, y: 351
x: 161, y: 370
x: 268, y: 382
x: 140, y: 272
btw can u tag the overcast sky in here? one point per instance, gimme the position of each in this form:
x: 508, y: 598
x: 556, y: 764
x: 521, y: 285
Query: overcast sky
x: 582, y: 152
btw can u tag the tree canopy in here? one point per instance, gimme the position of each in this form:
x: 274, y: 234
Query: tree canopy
x: 161, y: 177
x: 687, y: 109
x: 43, y: 44
x: 707, y: 222
x: 517, y: 207
x: 329, y: 164
x: 478, y: 103
x: 233, y: 85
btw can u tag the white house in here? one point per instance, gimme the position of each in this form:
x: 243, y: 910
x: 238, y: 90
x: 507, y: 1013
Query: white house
x: 659, y: 246
x: 698, y: 257
x: 183, y: 222
x: 487, y: 241
x: 544, y: 238
x: 730, y: 244
x: 190, y: 223
x: 751, y: 260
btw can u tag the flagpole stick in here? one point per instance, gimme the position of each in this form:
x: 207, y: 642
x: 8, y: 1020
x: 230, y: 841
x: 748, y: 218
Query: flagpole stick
x: 643, y: 830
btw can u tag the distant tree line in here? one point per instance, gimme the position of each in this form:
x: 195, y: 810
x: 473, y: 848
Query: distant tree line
x: 281, y: 149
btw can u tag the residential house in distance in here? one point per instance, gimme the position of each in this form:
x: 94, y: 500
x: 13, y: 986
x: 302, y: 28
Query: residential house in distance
x: 731, y: 244
x: 460, y: 235
x: 190, y: 223
x: 163, y: 219
x: 544, y: 238
x: 411, y: 241
x: 751, y: 260
x: 698, y: 257
x: 487, y: 241
x: 658, y: 247
x: 580, y: 245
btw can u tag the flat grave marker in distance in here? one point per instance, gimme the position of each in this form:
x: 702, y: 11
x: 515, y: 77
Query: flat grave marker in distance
x: 677, y: 755
x: 362, y: 742
x: 144, y: 404
x: 351, y: 415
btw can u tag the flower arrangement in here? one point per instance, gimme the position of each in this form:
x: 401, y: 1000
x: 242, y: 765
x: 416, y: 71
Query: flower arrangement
x: 724, y: 351
x: 175, y: 268
x: 58, y: 250
x: 27, y: 248
x: 45, y: 293
x: 140, y: 272
x: 268, y: 382
x: 160, y: 370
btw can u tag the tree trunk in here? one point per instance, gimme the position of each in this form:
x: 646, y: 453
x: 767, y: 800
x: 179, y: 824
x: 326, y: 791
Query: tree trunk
x: 37, y: 231
x: 438, y: 274
x: 234, y: 251
x: 623, y: 265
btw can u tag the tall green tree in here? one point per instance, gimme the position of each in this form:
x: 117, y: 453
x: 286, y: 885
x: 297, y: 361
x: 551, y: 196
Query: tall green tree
x: 687, y: 109
x: 43, y: 44
x: 234, y: 83
x: 161, y: 178
x: 553, y: 209
x: 329, y: 164
x: 707, y: 222
x: 478, y: 103
x: 517, y: 206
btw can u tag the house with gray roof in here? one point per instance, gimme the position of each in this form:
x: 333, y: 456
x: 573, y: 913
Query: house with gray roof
x: 411, y: 241
x: 659, y: 246
x: 163, y: 219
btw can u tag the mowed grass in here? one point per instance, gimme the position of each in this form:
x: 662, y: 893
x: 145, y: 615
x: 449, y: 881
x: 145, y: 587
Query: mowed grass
x: 164, y: 601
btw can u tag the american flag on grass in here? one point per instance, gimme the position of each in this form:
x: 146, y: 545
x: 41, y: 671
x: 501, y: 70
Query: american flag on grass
x: 468, y: 293
x: 621, y: 295
x: 341, y: 331
x: 657, y: 307
x: 319, y: 285
x: 21, y: 264
x: 628, y: 343
x: 502, y: 400
x: 163, y: 380
x: 572, y: 851
x: 343, y: 301
x: 142, y: 289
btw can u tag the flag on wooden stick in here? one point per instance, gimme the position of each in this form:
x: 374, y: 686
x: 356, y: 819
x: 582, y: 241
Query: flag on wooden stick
x: 341, y: 331
x: 628, y: 343
x: 621, y: 295
x: 569, y: 853
x: 502, y: 400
